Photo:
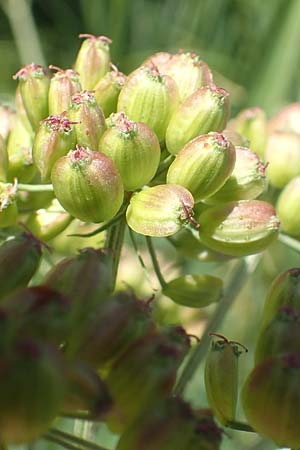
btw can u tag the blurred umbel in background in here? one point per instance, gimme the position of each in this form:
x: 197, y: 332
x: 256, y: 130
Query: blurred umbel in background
x: 252, y: 46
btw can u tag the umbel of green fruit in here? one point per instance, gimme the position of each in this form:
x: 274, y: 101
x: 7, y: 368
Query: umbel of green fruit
x: 54, y: 138
x: 89, y: 119
x: 93, y: 59
x: 288, y: 207
x: 207, y: 109
x: 88, y: 185
x: 282, y: 334
x: 271, y: 399
x: 149, y: 97
x: 221, y: 377
x: 203, y: 165
x: 160, y: 210
x: 283, y: 156
x: 284, y: 291
x: 134, y: 148
x: 107, y: 90
x: 239, y: 228
x: 8, y: 207
x: 63, y: 85
x: 34, y: 84
x: 19, y: 259
x: 31, y: 391
x: 252, y: 124
x: 247, y: 181
x: 195, y: 291
x: 188, y: 71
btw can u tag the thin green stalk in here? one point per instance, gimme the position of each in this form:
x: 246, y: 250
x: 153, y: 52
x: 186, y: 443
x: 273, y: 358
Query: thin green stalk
x: 75, y: 440
x: 155, y: 262
x: 240, y: 426
x: 234, y: 287
x: 103, y: 227
x: 289, y: 242
x: 114, y: 242
x: 139, y: 256
x: 35, y: 187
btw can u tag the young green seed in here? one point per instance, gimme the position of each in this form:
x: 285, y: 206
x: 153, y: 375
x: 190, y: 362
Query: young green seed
x: 107, y: 90
x: 288, y: 207
x: 64, y: 84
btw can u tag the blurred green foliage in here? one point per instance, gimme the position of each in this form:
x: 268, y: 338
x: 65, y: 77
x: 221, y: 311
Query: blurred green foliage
x: 250, y: 44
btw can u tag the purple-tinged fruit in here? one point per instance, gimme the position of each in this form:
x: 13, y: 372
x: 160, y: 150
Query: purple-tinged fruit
x: 64, y: 84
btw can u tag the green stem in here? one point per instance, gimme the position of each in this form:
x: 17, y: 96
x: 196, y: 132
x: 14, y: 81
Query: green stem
x: 234, y: 287
x: 103, y: 227
x: 35, y: 187
x: 115, y: 241
x: 155, y: 263
x: 289, y: 242
x: 74, y: 440
x: 139, y: 256
x: 240, y: 426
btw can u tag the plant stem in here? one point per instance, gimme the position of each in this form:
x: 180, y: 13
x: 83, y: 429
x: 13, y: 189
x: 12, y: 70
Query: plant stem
x: 240, y: 426
x: 155, y: 263
x: 35, y: 187
x: 75, y: 440
x: 114, y: 242
x: 139, y: 256
x: 103, y: 227
x: 289, y: 242
x: 236, y: 283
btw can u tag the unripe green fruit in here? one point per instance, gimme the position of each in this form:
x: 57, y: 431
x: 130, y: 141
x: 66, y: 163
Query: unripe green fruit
x: 34, y: 87
x: 107, y: 90
x: 88, y: 185
x: 236, y: 138
x: 47, y: 223
x: 63, y: 85
x: 149, y: 97
x: 221, y: 378
x: 186, y: 69
x: 283, y: 156
x: 19, y: 150
x: 93, y: 60
x: 160, y: 210
x: 205, y: 110
x: 252, y: 124
x: 21, y: 113
x: 54, y: 138
x: 89, y: 119
x: 281, y: 335
x: 239, y: 228
x: 288, y: 207
x: 3, y: 160
x: 203, y: 165
x: 271, y: 399
x: 8, y: 206
x: 195, y: 291
x: 31, y: 391
x: 246, y: 182
x: 283, y: 292
x: 288, y: 119
x: 19, y: 259
x: 134, y: 148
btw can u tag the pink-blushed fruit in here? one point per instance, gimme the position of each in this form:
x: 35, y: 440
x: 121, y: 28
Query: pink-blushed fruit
x: 194, y: 291
x: 63, y: 85
x: 19, y: 260
x: 221, y: 377
x: 287, y: 119
x: 34, y: 82
x: 236, y: 138
x: 89, y: 119
x: 88, y: 185
x: 107, y: 90
x: 134, y: 148
x: 54, y: 138
x: 239, y: 228
x: 283, y: 156
x: 160, y: 211
x: 288, y: 207
x: 93, y: 59
x: 246, y: 182
x: 207, y: 109
x: 203, y: 165
x: 252, y: 124
x: 149, y: 97
x: 271, y: 399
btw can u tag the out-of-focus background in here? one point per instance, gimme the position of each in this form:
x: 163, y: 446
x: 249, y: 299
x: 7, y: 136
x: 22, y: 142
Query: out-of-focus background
x: 253, y: 49
x: 251, y: 45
